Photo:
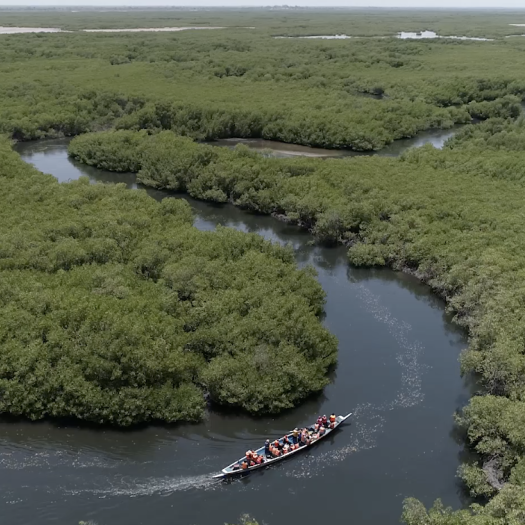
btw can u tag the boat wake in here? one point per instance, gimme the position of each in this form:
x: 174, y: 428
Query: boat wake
x: 411, y: 392
x: 150, y: 486
x: 368, y: 420
x: 366, y: 425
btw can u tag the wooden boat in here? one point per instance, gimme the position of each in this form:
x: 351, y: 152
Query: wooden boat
x: 230, y: 471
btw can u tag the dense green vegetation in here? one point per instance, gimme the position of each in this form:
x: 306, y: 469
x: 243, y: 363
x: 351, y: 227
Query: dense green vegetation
x: 453, y: 217
x: 115, y: 309
x: 311, y: 21
x: 244, y: 82
x: 507, y: 508
x: 435, y: 213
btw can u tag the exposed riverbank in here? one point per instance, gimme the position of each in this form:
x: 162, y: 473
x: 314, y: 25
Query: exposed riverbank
x: 436, y: 138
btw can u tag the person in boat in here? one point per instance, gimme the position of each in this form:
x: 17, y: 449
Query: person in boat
x: 260, y: 460
x: 244, y: 465
x: 295, y: 436
x: 320, y: 420
x: 332, y: 420
x: 322, y: 431
x: 314, y: 436
x: 267, y: 447
x: 317, y: 426
x: 304, y: 436
x: 324, y: 421
x: 286, y: 449
x: 275, y: 452
x: 286, y: 441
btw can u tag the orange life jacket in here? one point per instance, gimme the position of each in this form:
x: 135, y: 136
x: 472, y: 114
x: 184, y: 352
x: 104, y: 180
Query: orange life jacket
x: 332, y: 419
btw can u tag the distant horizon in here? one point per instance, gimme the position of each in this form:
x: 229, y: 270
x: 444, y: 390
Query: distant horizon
x: 211, y: 4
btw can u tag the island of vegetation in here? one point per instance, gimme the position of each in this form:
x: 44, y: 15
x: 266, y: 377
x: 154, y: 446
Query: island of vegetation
x: 197, y: 310
x: 115, y: 309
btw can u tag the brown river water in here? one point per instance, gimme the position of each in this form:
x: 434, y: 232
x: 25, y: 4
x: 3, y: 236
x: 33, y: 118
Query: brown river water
x: 398, y: 372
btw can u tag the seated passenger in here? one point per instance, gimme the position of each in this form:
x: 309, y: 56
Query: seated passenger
x: 259, y: 460
x: 244, y: 465
x: 295, y: 435
x: 319, y: 420
x: 324, y: 421
x: 276, y: 452
x: 322, y: 431
x: 332, y: 420
x: 304, y: 437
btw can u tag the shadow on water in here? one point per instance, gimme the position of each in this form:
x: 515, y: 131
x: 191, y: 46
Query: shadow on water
x: 397, y: 371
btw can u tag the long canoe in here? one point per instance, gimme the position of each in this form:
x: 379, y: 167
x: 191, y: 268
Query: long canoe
x: 229, y: 471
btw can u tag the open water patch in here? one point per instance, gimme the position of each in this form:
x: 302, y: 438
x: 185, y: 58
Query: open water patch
x: 420, y: 35
x: 45, y: 459
x: 152, y: 29
x: 322, y: 37
x: 403, y: 35
x: 4, y: 30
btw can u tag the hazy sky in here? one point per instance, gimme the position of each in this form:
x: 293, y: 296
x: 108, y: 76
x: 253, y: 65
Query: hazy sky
x: 311, y: 3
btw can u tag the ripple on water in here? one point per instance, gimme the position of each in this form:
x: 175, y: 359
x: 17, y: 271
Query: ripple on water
x: 411, y: 392
x: 27, y: 458
x: 131, y: 487
x: 366, y: 425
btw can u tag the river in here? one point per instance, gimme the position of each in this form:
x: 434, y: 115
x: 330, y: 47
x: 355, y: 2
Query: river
x: 398, y: 372
x: 436, y: 137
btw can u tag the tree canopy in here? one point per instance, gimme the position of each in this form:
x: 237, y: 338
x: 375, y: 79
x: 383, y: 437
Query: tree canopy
x: 114, y: 308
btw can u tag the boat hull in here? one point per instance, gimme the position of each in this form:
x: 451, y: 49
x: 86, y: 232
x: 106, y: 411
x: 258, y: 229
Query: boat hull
x: 229, y: 473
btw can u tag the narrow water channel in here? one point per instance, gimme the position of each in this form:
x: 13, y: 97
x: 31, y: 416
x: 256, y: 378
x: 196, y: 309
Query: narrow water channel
x: 435, y: 137
x: 398, y: 372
